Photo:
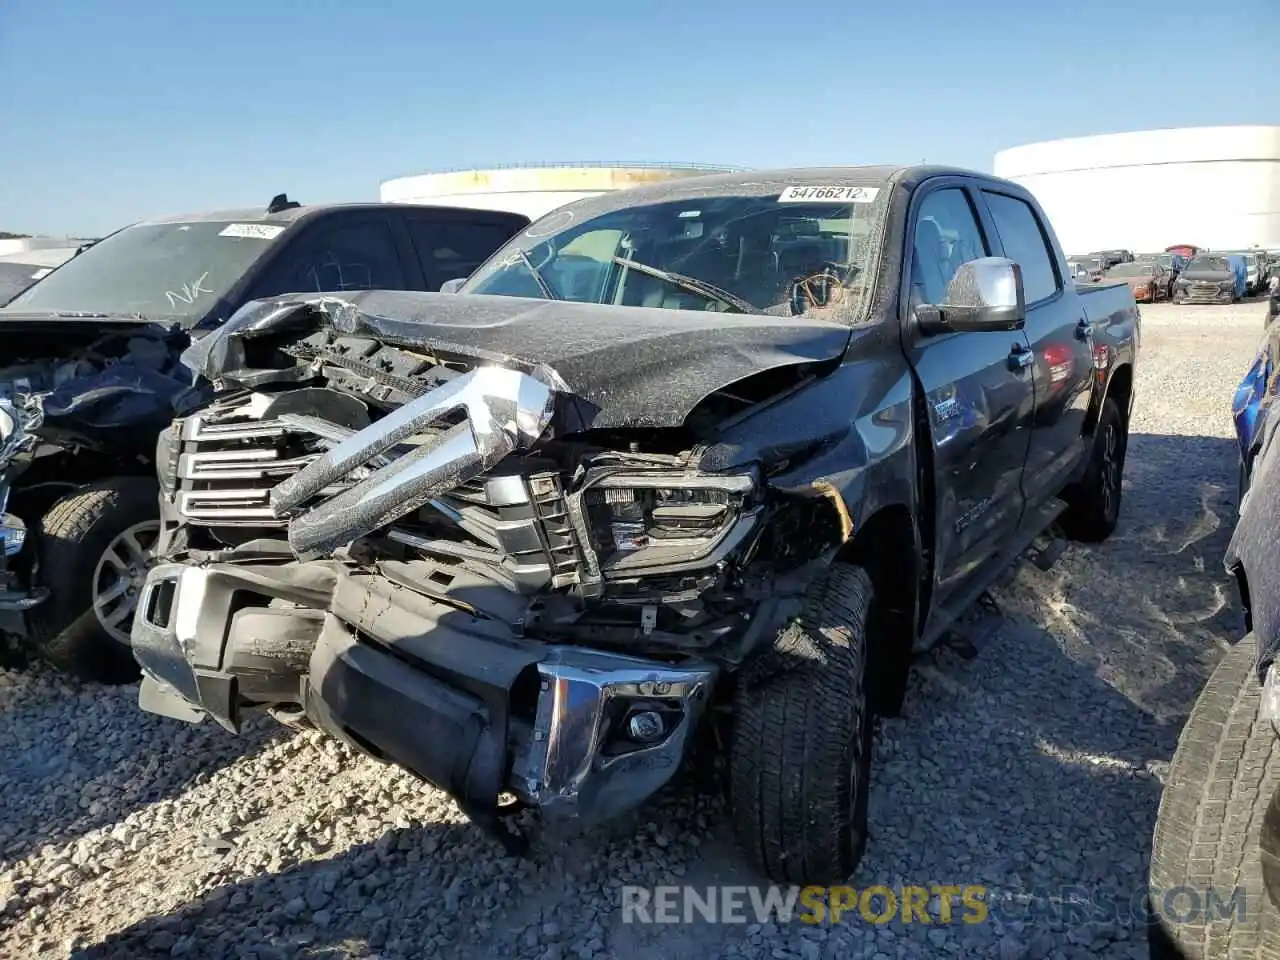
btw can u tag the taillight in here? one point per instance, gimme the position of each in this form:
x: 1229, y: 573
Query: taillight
x: 1058, y: 359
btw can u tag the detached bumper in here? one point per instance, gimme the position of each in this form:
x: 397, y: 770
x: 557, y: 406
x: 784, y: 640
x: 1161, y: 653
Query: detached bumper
x: 460, y: 701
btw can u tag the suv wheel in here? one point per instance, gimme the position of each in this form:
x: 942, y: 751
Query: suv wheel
x: 95, y: 549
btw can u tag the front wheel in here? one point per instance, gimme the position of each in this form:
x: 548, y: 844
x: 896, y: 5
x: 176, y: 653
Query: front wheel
x: 95, y: 549
x: 1093, y: 504
x: 800, y: 757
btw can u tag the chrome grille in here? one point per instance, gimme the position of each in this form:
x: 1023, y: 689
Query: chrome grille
x: 225, y: 461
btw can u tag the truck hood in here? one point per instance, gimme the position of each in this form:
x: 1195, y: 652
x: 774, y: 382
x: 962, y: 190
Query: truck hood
x: 1208, y: 276
x: 626, y: 366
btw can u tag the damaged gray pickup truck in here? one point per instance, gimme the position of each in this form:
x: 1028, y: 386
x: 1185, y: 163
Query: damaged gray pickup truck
x: 705, y: 459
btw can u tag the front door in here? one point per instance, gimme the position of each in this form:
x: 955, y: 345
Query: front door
x: 978, y: 395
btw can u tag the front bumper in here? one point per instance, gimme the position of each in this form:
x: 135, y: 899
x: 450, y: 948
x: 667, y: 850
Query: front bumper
x: 460, y: 701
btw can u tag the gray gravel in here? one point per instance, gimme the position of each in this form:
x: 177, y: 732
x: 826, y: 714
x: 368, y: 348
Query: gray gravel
x: 1032, y: 766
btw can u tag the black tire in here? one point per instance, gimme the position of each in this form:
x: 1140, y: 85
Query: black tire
x: 800, y: 757
x: 1223, y: 775
x: 74, y: 536
x: 1093, y: 504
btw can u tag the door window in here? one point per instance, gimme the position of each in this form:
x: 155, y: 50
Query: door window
x: 342, y: 256
x: 452, y: 249
x: 946, y: 235
x: 1025, y: 243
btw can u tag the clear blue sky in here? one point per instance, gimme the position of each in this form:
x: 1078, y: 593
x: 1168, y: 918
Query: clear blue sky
x: 111, y: 112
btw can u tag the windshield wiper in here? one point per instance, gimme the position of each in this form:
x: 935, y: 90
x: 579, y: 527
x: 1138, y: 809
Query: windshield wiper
x: 538, y: 278
x: 692, y: 284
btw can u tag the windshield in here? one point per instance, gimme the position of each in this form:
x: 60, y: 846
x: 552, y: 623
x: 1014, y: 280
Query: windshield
x: 1209, y: 263
x: 739, y: 254
x: 1131, y: 270
x: 169, y: 272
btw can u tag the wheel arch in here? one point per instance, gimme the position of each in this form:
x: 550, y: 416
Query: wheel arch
x: 886, y: 546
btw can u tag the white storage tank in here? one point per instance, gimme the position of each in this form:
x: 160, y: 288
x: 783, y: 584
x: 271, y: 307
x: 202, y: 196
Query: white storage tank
x: 535, y: 188
x: 1216, y: 187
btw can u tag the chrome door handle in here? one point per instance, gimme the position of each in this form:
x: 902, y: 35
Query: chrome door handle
x: 1020, y: 357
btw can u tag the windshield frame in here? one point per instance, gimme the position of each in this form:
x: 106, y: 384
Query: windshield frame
x: 574, y: 217
x: 212, y: 305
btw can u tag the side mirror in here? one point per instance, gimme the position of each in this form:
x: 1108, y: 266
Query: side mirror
x: 985, y: 294
x: 452, y: 286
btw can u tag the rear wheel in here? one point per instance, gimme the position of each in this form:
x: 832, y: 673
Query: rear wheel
x: 800, y: 759
x: 95, y: 549
x: 1093, y: 504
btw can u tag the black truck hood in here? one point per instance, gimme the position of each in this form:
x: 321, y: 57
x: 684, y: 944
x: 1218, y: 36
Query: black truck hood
x: 629, y: 366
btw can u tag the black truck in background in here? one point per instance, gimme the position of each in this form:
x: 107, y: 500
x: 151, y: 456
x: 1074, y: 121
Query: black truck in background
x: 90, y: 374
x: 710, y: 457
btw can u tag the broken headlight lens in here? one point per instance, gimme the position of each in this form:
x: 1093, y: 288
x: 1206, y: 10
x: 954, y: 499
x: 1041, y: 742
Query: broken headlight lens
x: 657, y: 520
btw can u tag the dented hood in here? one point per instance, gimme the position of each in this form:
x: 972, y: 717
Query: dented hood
x: 628, y: 366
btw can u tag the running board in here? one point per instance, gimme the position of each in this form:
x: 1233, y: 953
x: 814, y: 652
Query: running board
x: 1033, y: 525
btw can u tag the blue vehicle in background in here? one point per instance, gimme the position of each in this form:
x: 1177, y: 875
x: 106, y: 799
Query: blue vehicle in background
x: 1249, y: 408
x: 1241, y: 270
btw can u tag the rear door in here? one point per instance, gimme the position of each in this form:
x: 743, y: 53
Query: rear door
x: 1061, y: 340
x: 451, y: 244
x: 977, y: 389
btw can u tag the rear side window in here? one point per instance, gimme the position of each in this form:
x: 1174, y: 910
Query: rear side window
x: 355, y: 255
x: 1025, y: 243
x: 452, y: 249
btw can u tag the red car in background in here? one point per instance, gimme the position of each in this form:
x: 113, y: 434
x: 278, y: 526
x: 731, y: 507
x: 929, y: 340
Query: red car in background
x: 1187, y: 250
x: 1148, y: 281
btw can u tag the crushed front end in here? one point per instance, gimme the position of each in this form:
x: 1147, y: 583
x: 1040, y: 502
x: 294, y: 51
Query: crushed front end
x: 407, y: 550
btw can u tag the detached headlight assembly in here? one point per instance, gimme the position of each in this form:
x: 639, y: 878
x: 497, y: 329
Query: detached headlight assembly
x: 667, y: 523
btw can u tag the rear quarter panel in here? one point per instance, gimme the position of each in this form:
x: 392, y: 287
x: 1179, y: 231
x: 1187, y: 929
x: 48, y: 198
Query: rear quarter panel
x: 1117, y: 337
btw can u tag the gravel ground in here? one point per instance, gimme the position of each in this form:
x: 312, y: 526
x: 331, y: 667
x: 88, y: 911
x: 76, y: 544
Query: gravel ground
x: 1033, y: 766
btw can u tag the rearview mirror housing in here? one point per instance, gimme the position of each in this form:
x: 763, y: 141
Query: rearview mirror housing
x: 452, y: 286
x: 985, y: 295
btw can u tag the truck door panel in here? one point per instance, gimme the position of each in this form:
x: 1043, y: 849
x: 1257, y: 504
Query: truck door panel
x: 978, y: 397
x: 1061, y: 340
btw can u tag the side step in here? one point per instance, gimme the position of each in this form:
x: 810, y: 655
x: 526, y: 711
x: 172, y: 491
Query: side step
x: 1033, y: 526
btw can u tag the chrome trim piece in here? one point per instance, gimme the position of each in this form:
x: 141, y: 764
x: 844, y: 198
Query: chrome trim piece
x: 585, y: 696
x: 506, y: 410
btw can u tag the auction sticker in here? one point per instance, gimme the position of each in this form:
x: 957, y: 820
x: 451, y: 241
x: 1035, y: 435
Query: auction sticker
x: 829, y: 194
x: 256, y: 231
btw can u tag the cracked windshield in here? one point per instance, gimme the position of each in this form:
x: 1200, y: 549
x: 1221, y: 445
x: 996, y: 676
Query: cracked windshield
x: 735, y: 254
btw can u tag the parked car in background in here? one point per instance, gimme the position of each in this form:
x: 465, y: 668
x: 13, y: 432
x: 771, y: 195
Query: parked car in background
x: 1207, y: 278
x: 1255, y: 276
x: 1094, y: 266
x: 1219, y: 816
x: 1148, y: 282
x: 1079, y: 271
x: 1172, y: 262
x: 1185, y: 250
x: 89, y: 363
x: 1110, y: 258
x: 656, y: 512
x: 1240, y: 267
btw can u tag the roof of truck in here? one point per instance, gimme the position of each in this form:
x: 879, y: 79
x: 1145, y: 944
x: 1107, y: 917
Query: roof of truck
x: 757, y: 183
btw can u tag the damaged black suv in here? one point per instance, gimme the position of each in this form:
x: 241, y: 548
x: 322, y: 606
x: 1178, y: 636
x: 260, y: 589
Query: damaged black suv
x: 729, y: 449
